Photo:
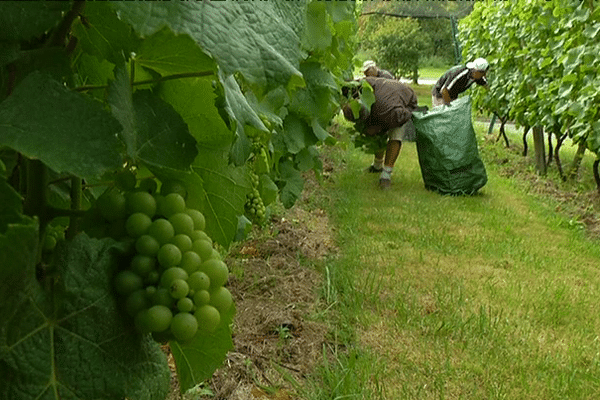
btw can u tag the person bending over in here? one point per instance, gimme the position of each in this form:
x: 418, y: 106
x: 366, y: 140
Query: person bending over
x: 457, y: 80
x: 371, y: 69
x: 393, y: 107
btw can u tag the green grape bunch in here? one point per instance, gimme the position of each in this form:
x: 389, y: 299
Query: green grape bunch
x: 254, y: 206
x: 173, y: 285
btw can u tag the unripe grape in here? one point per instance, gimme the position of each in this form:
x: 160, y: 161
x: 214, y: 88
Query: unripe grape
x: 178, y: 289
x: 173, y: 186
x: 200, y: 235
x: 147, y: 245
x: 201, y: 298
x: 198, y: 218
x: 185, y: 304
x: 190, y: 261
x: 136, y: 302
x: 183, y: 242
x: 199, y: 281
x: 184, y: 326
x: 221, y: 299
x: 137, y: 224
x: 152, y: 278
x: 49, y: 243
x: 141, y: 202
x: 142, y: 264
x: 173, y: 203
x: 203, y: 248
x: 169, y: 255
x: 150, y: 290
x: 161, y: 230
x: 208, y: 318
x: 217, y: 272
x: 112, y: 205
x: 171, y: 274
x: 125, y: 180
x: 142, y: 321
x: 182, y: 223
x: 162, y: 297
x: 127, y: 282
x: 159, y: 318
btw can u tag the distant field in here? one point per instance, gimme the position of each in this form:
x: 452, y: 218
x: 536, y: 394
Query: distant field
x: 431, y: 73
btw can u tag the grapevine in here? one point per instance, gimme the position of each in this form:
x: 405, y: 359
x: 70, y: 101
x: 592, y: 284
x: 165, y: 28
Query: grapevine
x: 121, y: 123
x: 260, y: 164
x: 172, y: 260
x: 254, y: 203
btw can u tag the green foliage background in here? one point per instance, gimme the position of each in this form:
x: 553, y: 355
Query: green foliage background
x: 543, y: 57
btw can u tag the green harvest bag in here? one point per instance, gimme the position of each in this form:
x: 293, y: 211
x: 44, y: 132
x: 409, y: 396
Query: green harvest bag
x: 447, y: 149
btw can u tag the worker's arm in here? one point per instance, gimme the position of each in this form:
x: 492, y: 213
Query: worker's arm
x: 446, y: 95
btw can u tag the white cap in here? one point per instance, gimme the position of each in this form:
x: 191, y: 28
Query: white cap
x: 479, y: 64
x: 368, y: 64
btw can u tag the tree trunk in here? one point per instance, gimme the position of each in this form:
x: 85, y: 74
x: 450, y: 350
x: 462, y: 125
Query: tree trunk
x: 559, y: 142
x: 525, y: 132
x: 597, y: 175
x: 550, y: 148
x: 503, y: 132
x: 574, y: 170
x: 540, y: 150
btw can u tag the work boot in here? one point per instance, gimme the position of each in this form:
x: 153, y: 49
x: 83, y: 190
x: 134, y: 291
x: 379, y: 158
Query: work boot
x: 372, y: 169
x: 384, y: 184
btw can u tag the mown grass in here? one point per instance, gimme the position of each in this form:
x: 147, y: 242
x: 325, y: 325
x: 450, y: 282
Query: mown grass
x: 492, y: 296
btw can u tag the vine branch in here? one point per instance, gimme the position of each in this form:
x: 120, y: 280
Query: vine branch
x: 59, y: 37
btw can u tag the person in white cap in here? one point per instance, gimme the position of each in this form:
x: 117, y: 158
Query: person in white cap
x: 370, y: 68
x: 457, y: 80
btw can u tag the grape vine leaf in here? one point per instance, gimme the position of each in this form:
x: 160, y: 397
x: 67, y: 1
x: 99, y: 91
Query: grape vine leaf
x: 69, y: 132
x: 168, y: 54
x: 45, y: 335
x: 225, y: 187
x: 153, y: 132
x: 297, y: 134
x: 102, y: 34
x: 292, y: 183
x: 18, y: 244
x: 194, y: 100
x: 258, y: 39
x: 198, y: 359
x: 317, y: 35
x: 23, y: 20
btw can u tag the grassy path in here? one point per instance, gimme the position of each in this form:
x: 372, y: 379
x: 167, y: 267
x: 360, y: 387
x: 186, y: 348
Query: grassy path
x: 485, y: 297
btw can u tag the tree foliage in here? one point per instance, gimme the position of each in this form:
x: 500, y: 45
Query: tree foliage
x: 433, y: 18
x: 399, y: 46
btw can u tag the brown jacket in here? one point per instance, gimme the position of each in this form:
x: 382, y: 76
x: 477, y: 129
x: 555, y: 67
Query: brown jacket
x: 394, y: 103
